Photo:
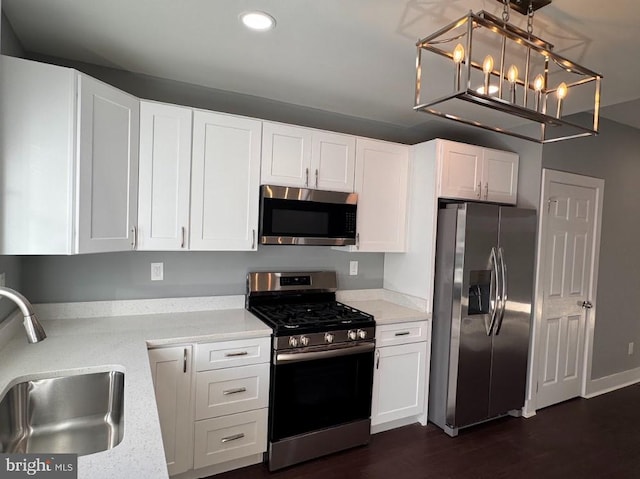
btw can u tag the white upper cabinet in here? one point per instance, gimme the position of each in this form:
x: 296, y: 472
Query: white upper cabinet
x: 381, y: 184
x: 500, y: 176
x: 165, y: 175
x: 306, y: 158
x: 333, y: 160
x: 461, y: 173
x: 70, y: 161
x: 225, y: 182
x: 477, y: 173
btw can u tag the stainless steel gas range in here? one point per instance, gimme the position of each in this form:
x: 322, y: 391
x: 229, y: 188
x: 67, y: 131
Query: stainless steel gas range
x: 321, y: 369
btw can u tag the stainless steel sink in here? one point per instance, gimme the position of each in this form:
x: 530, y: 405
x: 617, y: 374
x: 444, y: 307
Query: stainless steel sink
x: 79, y: 414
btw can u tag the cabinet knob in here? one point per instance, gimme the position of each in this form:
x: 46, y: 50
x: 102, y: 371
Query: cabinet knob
x: 480, y: 190
x: 486, y: 191
x: 306, y: 181
x: 316, y: 177
x: 183, y: 237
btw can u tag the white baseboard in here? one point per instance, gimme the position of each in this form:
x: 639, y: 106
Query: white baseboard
x: 606, y: 384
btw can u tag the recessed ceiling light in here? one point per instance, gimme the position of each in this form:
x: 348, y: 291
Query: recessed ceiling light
x: 492, y: 89
x: 258, y: 21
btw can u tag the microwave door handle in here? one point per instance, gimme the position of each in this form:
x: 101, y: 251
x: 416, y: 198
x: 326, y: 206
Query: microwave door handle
x: 504, y: 292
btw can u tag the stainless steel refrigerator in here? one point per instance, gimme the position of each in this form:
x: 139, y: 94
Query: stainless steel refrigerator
x: 482, y: 313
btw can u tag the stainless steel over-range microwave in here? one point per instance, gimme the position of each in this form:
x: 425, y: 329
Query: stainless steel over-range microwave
x: 301, y: 216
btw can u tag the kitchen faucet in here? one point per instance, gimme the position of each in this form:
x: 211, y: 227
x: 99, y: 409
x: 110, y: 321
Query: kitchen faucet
x: 35, y: 331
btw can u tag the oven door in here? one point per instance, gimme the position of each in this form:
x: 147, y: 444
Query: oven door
x: 320, y: 389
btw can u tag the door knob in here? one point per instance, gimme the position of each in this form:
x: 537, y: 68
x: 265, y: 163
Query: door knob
x: 587, y: 304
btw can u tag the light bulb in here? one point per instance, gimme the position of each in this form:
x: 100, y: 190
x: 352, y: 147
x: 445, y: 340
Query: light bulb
x: 458, y: 53
x: 562, y: 91
x: 512, y: 76
x: 487, y: 65
x: 538, y: 83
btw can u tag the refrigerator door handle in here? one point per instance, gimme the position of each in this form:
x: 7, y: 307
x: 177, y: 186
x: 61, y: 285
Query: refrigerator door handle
x: 494, y: 303
x: 504, y: 293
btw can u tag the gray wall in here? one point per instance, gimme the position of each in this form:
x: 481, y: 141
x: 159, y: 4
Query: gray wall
x: 614, y: 155
x: 10, y: 43
x: 126, y: 275
x: 9, y: 265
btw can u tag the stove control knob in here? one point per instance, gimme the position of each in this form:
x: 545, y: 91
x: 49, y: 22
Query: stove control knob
x: 352, y: 335
x: 362, y: 334
x: 293, y: 342
x: 328, y: 337
x: 304, y: 341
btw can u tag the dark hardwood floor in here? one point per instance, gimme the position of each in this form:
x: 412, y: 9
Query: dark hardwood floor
x: 595, y: 438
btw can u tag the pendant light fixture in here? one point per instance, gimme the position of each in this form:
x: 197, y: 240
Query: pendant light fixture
x: 505, y: 78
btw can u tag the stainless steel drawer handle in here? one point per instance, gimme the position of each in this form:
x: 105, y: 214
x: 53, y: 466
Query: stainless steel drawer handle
x: 403, y: 333
x: 233, y: 391
x: 239, y: 353
x: 232, y: 438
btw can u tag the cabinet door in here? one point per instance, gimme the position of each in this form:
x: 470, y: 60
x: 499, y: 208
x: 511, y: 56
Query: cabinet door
x: 500, y: 176
x: 171, y: 373
x: 333, y: 160
x: 225, y: 182
x: 286, y: 155
x: 107, y: 196
x: 461, y: 171
x: 165, y: 175
x: 381, y: 184
x: 398, y: 382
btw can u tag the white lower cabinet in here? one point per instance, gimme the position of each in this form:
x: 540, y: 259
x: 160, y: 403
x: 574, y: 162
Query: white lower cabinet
x: 399, y: 378
x: 213, y: 409
x: 227, y: 438
x: 171, y: 373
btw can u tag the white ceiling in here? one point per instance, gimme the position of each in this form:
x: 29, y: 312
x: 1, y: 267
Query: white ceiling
x: 354, y: 57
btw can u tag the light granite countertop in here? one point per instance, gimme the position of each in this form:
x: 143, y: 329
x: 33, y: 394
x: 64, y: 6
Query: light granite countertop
x: 77, y: 346
x: 386, y: 312
x: 115, y: 335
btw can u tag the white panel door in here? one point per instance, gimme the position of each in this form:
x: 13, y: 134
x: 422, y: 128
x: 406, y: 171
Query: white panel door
x: 381, y: 183
x: 225, y: 182
x: 500, y: 176
x: 333, y: 160
x: 107, y: 168
x: 286, y: 155
x: 171, y: 373
x: 460, y: 171
x: 165, y: 176
x: 568, y: 235
x: 398, y: 382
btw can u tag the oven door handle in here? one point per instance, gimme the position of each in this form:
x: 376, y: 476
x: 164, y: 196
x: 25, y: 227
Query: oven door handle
x: 282, y: 358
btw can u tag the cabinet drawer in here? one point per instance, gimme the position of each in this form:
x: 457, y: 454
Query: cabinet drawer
x: 230, y: 437
x: 401, y: 333
x: 229, y: 391
x: 227, y: 354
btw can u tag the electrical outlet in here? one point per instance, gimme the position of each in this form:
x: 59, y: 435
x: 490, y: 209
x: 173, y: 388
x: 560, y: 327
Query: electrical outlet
x: 157, y: 271
x: 353, y: 268
x: 630, y: 349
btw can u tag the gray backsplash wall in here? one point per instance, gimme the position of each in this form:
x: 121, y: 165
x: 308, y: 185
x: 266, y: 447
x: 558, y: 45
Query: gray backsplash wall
x: 614, y: 155
x: 126, y: 275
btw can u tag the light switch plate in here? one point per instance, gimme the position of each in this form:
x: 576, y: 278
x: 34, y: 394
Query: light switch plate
x: 353, y: 268
x: 157, y: 271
